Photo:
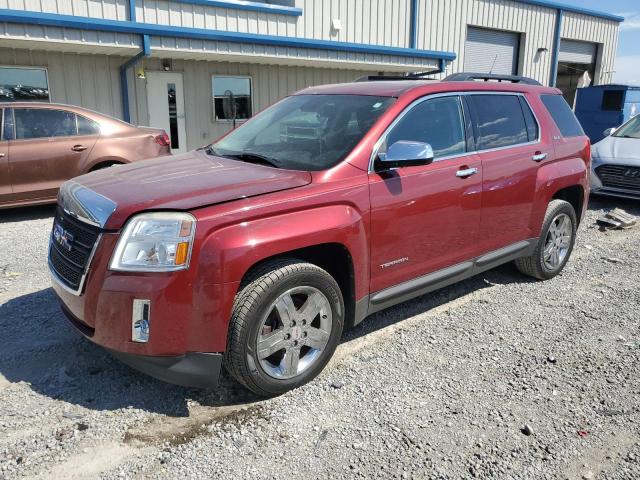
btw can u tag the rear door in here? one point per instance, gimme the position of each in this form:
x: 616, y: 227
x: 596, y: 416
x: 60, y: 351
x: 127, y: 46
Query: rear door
x: 511, y: 150
x: 425, y: 218
x: 45, y: 151
x: 5, y: 182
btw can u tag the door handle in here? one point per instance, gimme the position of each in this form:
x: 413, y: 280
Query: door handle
x: 78, y: 148
x: 539, y: 156
x: 1, y: 155
x: 467, y: 172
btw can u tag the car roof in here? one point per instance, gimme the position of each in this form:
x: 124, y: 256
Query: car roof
x: 97, y: 116
x: 397, y: 88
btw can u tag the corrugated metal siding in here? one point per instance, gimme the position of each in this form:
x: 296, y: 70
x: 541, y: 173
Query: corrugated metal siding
x: 595, y: 30
x: 90, y: 81
x: 375, y: 22
x: 491, y: 51
x: 110, y: 9
x: 443, y: 23
x: 269, y: 82
x: 443, y: 26
x: 68, y: 39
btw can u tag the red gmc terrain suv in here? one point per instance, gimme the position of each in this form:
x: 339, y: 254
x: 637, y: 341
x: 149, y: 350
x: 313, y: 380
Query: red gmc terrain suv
x: 254, y: 253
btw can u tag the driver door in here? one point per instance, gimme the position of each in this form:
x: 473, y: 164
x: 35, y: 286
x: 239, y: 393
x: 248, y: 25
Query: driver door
x: 426, y: 218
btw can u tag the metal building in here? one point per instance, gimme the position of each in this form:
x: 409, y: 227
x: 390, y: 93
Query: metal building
x: 192, y: 66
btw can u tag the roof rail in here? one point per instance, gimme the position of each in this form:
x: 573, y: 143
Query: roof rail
x: 470, y: 77
x: 409, y: 76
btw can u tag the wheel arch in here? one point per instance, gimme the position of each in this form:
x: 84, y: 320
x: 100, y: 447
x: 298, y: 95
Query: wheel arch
x: 574, y: 195
x: 103, y: 162
x: 335, y: 258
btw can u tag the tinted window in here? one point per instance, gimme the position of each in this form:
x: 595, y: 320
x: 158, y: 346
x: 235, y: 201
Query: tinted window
x: 563, y: 115
x: 87, y: 126
x: 43, y: 123
x: 7, y: 132
x: 438, y: 122
x: 499, y: 120
x: 532, y: 125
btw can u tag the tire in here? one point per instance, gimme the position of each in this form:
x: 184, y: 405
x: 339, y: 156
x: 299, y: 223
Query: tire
x: 540, y: 265
x: 270, y: 311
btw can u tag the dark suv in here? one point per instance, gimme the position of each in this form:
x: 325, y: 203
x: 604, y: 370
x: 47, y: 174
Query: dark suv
x: 339, y: 201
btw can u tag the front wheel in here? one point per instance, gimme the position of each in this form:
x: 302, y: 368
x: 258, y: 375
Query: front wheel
x: 286, y: 324
x: 555, y: 244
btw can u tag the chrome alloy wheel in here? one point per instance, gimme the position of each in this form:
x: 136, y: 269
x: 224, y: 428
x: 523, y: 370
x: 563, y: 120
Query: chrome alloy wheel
x: 294, y: 332
x: 558, y: 241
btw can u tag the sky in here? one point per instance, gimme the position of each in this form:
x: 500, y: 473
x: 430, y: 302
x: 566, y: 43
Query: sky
x: 628, y: 61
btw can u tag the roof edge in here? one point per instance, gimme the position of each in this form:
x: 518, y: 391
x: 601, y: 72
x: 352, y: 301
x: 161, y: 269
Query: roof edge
x: 574, y: 9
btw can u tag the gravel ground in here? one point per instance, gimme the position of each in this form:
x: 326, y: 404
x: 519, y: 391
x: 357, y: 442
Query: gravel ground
x: 498, y: 377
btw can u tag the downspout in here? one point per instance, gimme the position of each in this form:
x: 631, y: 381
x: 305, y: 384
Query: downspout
x: 555, y: 55
x: 413, y: 26
x: 124, y: 85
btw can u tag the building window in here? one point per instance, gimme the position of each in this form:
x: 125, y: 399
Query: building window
x: 18, y: 84
x: 231, y: 98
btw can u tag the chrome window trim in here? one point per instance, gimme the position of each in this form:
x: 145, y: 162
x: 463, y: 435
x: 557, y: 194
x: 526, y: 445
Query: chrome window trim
x: 418, y: 101
x: 55, y: 277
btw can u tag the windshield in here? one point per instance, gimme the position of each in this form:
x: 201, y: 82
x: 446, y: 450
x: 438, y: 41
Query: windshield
x: 630, y: 130
x: 304, y: 132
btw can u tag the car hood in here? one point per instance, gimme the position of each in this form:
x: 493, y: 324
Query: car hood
x: 617, y: 148
x: 179, y: 182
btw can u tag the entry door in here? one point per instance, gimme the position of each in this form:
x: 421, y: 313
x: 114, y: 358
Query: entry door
x: 426, y: 218
x: 511, y: 153
x: 165, y: 100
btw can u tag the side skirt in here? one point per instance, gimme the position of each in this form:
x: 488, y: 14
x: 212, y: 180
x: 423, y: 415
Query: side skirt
x: 433, y: 281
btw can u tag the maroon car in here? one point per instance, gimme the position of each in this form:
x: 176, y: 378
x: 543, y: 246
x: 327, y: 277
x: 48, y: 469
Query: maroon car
x: 43, y: 144
x: 339, y: 201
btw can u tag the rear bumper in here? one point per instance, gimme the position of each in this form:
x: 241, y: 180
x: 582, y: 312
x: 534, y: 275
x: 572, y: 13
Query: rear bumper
x: 191, y: 369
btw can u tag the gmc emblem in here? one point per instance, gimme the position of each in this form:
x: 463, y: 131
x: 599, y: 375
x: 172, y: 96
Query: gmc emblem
x: 62, y: 237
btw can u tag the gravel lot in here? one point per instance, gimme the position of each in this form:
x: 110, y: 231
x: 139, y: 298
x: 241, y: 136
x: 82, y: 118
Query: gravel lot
x: 497, y: 377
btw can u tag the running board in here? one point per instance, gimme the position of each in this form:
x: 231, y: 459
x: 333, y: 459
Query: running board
x: 433, y: 281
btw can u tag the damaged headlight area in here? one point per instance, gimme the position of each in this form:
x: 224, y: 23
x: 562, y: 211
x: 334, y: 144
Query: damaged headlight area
x: 155, y: 242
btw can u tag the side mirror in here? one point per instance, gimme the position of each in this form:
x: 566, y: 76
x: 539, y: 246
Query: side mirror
x: 609, y: 131
x: 405, y: 153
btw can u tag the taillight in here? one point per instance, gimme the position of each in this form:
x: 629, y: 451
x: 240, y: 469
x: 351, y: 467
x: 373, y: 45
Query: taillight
x: 163, y: 139
x: 587, y: 152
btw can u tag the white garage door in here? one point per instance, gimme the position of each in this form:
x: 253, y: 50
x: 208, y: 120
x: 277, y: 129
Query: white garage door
x: 572, y: 51
x: 491, y: 51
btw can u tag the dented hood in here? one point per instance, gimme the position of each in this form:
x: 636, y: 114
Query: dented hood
x: 618, y: 148
x: 180, y: 182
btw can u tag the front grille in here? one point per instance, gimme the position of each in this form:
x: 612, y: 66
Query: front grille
x: 619, y: 176
x: 70, y: 262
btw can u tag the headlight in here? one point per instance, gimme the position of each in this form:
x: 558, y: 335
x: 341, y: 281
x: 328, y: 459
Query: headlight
x: 155, y: 242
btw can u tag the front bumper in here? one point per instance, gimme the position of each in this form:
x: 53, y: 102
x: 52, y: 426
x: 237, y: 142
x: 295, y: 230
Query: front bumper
x: 191, y: 369
x: 598, y: 188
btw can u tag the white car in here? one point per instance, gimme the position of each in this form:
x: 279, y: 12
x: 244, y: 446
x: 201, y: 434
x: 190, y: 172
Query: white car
x: 615, y: 166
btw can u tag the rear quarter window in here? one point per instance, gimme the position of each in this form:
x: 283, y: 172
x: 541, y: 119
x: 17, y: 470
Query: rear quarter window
x: 562, y: 115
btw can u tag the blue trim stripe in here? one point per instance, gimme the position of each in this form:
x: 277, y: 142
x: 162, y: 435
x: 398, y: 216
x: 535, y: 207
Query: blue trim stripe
x: 574, y: 9
x: 249, y: 6
x: 132, y: 10
x: 85, y: 23
x: 555, y: 55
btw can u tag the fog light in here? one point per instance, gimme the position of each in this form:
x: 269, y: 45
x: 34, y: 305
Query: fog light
x: 140, y: 320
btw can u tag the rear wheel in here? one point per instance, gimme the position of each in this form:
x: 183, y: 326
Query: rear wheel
x: 555, y: 243
x: 285, y: 326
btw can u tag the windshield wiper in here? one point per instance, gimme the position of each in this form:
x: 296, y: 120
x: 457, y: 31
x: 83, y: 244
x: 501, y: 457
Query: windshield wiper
x: 248, y: 157
x: 252, y: 158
